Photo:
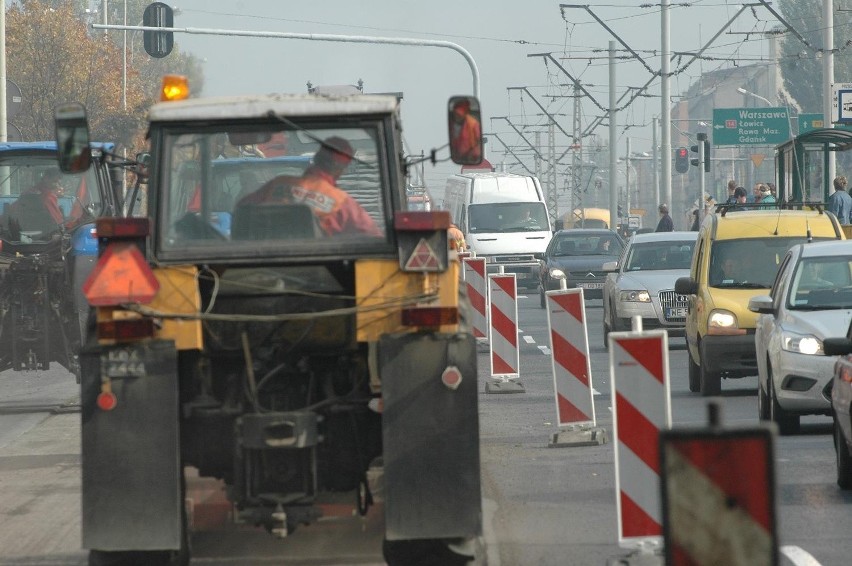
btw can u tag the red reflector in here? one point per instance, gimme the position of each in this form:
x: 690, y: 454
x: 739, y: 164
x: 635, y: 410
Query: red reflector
x: 121, y: 276
x: 112, y: 227
x: 107, y: 401
x: 845, y: 373
x: 421, y: 220
x: 124, y: 330
x: 452, y: 377
x: 430, y: 316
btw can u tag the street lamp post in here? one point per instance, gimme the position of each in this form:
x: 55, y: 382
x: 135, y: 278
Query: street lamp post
x: 124, y: 66
x: 741, y: 90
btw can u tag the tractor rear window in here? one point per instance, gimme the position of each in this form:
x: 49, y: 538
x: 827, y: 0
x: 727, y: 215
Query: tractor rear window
x: 262, y: 188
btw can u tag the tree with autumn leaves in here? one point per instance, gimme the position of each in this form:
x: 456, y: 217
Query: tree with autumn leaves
x: 54, y: 57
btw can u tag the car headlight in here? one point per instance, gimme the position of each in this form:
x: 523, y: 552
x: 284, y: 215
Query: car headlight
x: 634, y: 296
x: 801, y: 343
x: 556, y: 273
x: 722, y: 319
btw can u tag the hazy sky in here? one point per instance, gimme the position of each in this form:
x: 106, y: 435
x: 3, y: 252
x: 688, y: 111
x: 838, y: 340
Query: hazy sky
x: 500, y: 35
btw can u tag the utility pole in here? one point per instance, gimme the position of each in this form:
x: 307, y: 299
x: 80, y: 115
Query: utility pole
x: 655, y: 180
x: 627, y: 185
x: 576, y: 192
x: 537, y: 156
x: 613, y: 135
x: 828, y: 82
x: 550, y: 181
x: 3, y: 109
x: 510, y: 152
x: 553, y: 201
x: 665, y: 109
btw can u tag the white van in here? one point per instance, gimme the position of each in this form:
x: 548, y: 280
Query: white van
x: 504, y: 219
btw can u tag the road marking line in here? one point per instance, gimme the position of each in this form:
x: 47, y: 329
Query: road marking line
x: 529, y: 339
x: 799, y: 556
x: 595, y: 391
x: 544, y: 350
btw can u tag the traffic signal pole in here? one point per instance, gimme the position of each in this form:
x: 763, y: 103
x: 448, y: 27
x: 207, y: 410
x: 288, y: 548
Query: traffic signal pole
x: 474, y: 70
x: 701, y: 179
x: 702, y: 148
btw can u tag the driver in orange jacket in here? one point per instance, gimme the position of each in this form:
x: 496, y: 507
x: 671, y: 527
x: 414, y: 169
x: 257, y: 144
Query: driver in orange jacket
x: 336, y: 211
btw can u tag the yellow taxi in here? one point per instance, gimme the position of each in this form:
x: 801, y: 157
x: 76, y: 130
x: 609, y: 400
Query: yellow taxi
x: 736, y: 257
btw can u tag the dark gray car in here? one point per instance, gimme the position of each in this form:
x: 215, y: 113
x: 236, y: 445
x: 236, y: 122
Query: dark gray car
x: 577, y: 255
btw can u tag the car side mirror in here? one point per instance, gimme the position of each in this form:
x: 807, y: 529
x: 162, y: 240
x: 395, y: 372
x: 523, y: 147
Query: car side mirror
x: 761, y: 304
x: 464, y: 118
x: 837, y: 346
x: 539, y: 255
x: 686, y: 286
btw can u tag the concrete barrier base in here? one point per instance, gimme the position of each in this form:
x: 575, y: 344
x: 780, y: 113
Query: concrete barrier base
x: 509, y: 386
x: 578, y: 436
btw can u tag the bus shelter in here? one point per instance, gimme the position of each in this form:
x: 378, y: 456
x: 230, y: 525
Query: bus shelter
x: 801, y: 164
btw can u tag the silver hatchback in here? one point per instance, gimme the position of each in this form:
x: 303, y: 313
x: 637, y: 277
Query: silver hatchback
x: 642, y: 283
x: 810, y: 300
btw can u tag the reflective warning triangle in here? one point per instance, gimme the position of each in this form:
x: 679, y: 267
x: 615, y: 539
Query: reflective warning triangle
x: 122, y: 275
x: 423, y: 258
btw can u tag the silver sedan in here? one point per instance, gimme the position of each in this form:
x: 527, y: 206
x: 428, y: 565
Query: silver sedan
x: 810, y: 300
x: 642, y: 282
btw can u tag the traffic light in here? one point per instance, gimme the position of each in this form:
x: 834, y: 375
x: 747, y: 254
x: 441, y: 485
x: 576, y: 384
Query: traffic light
x: 702, y: 141
x: 681, y: 160
x: 695, y: 149
x: 158, y: 44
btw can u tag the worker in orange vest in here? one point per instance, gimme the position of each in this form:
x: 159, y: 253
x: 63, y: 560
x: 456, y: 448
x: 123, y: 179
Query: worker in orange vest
x: 336, y: 211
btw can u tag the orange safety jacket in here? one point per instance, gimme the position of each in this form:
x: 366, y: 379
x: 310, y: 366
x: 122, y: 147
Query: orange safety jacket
x: 337, y: 212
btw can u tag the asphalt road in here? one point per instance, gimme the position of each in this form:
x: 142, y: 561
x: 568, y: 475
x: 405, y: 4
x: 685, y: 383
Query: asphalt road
x: 541, y: 505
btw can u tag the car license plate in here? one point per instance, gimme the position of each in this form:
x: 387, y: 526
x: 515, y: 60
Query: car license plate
x: 590, y: 285
x: 676, y: 312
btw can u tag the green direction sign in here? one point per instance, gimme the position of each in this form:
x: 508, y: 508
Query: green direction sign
x: 750, y: 126
x: 810, y: 122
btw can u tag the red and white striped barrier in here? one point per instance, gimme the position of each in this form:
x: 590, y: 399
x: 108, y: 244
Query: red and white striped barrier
x: 477, y: 293
x: 719, y: 496
x: 569, y: 344
x: 639, y: 371
x: 505, y: 356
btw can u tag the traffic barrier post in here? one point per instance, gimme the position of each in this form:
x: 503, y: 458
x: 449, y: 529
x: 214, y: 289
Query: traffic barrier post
x: 639, y: 371
x: 718, y: 489
x: 572, y: 371
x: 503, y: 336
x: 463, y: 256
x: 477, y: 293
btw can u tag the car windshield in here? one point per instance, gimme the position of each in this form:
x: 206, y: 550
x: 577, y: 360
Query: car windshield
x: 748, y: 263
x: 508, y: 217
x: 252, y: 186
x: 821, y: 283
x: 27, y: 187
x: 653, y: 256
x: 586, y: 244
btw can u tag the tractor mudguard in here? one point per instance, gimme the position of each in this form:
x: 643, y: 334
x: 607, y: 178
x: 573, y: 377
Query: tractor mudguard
x: 131, y: 455
x: 430, y: 437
